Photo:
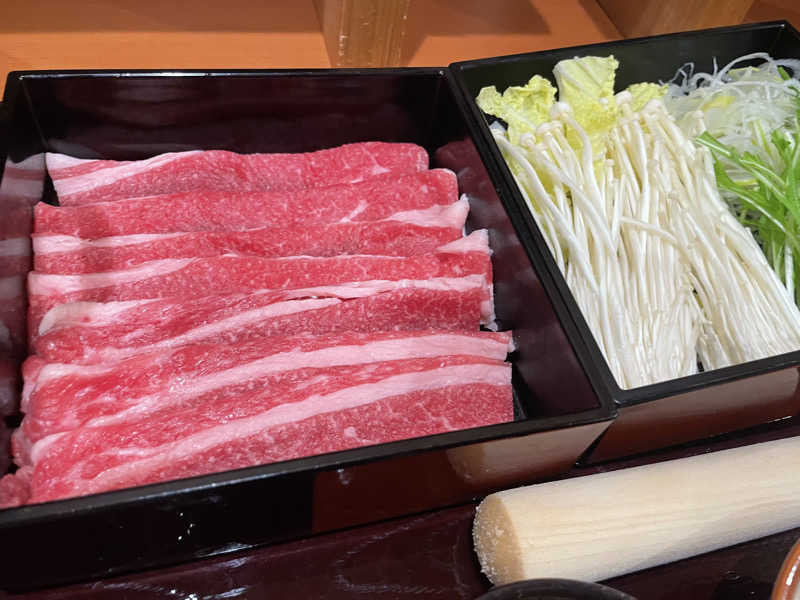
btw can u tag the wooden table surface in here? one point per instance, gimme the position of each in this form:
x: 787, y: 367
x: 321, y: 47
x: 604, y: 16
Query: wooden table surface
x: 120, y: 34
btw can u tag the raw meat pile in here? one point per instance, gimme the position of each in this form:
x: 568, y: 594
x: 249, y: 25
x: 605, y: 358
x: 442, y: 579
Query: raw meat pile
x: 202, y: 311
x: 21, y: 187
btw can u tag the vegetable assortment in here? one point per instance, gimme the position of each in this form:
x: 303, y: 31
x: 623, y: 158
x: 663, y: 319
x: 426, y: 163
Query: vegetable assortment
x: 748, y: 118
x: 665, y: 275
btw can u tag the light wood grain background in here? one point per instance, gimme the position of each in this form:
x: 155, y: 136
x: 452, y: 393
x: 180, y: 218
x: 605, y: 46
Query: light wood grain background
x: 119, y: 34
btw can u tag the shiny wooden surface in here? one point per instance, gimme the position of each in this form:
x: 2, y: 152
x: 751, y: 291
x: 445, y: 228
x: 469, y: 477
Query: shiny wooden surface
x: 787, y: 584
x: 770, y: 10
x: 120, y: 34
x: 363, y: 33
x: 653, y: 17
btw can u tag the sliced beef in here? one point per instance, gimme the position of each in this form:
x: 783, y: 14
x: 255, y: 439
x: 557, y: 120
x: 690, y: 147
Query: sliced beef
x: 61, y: 397
x: 79, y: 181
x: 195, y: 277
x: 371, y: 200
x: 61, y: 254
x: 92, y: 332
x: 325, y: 412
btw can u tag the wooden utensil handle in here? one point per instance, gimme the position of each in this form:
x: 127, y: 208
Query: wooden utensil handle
x: 608, y: 524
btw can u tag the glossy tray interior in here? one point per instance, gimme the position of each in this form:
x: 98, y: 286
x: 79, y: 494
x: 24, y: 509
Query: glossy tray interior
x: 138, y: 114
x: 688, y: 408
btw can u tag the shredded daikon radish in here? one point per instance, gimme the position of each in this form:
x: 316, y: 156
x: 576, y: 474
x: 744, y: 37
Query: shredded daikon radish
x: 739, y: 106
